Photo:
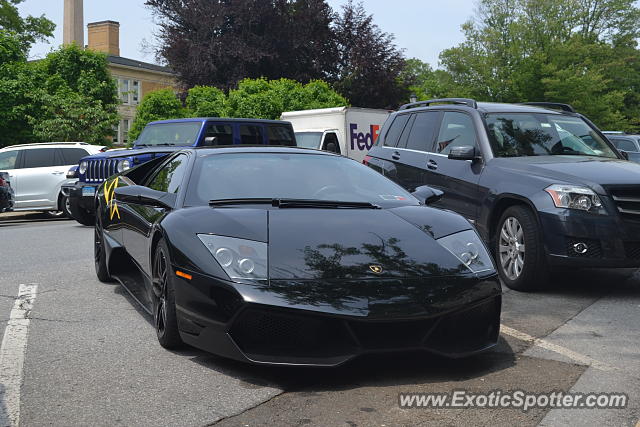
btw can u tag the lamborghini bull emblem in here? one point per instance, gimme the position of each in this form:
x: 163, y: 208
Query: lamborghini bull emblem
x: 109, y: 197
x: 376, y: 269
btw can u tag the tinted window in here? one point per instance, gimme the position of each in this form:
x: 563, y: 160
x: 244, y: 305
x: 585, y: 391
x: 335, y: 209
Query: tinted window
x: 624, y: 144
x: 422, y: 131
x: 280, y: 135
x: 8, y: 159
x: 395, y: 130
x: 525, y: 134
x: 39, y: 158
x: 456, y: 130
x: 181, y: 133
x: 72, y: 156
x: 222, y: 133
x: 170, y: 177
x: 251, y: 135
x: 295, y: 176
x: 331, y: 143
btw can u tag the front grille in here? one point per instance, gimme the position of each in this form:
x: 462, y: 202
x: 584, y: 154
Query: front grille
x: 99, y: 170
x: 380, y: 335
x: 632, y: 250
x: 575, y: 248
x: 627, y: 200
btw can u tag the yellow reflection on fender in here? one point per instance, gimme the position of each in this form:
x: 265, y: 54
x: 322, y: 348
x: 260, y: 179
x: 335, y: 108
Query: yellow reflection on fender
x: 109, y: 197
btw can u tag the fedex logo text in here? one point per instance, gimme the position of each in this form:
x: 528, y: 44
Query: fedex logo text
x: 361, y: 140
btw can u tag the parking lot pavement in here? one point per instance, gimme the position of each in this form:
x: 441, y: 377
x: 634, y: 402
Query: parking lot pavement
x: 92, y: 356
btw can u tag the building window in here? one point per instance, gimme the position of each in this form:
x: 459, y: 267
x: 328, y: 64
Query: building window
x: 116, y: 133
x: 125, y: 131
x: 129, y: 91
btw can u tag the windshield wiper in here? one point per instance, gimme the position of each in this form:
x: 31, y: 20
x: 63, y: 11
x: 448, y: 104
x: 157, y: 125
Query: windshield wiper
x: 295, y: 203
x: 164, y: 144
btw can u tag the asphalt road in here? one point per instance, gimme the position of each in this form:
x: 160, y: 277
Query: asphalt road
x: 92, y: 358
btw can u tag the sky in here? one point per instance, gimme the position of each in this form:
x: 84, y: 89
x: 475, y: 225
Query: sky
x: 423, y: 28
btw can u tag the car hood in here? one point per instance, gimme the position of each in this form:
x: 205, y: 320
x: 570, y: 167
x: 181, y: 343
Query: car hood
x: 574, y: 169
x: 353, y: 244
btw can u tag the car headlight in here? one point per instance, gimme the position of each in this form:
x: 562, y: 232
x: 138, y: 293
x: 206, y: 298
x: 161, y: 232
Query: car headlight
x: 240, y: 258
x: 124, y: 165
x: 469, y: 249
x: 72, y: 173
x: 83, y: 167
x: 575, y: 197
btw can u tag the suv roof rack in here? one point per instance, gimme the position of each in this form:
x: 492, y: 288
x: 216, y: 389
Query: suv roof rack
x: 552, y: 105
x: 457, y: 101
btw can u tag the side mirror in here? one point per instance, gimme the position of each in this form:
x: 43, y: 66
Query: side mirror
x: 624, y: 154
x: 427, y: 195
x: 210, y: 141
x: 463, y: 152
x: 331, y: 147
x: 139, y: 195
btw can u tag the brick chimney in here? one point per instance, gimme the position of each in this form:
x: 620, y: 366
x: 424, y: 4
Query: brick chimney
x: 104, y: 36
x: 73, y: 26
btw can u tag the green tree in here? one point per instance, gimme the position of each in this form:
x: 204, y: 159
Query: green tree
x: 157, y: 105
x: 207, y: 101
x: 29, y: 29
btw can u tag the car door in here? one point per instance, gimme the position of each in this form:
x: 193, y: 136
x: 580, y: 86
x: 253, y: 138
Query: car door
x: 38, y: 179
x: 457, y: 178
x: 139, y: 218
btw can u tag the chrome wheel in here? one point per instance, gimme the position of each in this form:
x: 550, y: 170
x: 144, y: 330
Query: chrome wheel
x: 160, y: 286
x: 511, y: 248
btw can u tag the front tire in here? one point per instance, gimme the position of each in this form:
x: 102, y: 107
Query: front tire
x: 100, y: 255
x: 81, y: 215
x: 164, y: 302
x: 519, y: 250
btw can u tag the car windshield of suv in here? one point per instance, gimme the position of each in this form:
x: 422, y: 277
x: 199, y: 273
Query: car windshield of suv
x: 291, y: 176
x: 180, y: 134
x: 524, y: 134
x: 308, y: 139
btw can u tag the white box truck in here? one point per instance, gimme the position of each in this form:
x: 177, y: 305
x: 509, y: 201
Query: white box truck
x: 348, y: 131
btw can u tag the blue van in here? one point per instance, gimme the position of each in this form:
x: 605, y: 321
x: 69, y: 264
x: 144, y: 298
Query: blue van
x: 163, y: 137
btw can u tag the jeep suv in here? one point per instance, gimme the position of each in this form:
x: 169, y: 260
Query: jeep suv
x: 163, y: 137
x: 544, y: 187
x: 38, y: 171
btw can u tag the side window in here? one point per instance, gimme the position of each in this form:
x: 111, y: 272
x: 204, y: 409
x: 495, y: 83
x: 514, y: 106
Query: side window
x: 39, y: 158
x: 395, y: 130
x: 169, y: 178
x: 251, y: 135
x: 422, y: 131
x: 331, y: 143
x: 72, y: 156
x: 280, y: 135
x: 456, y: 130
x: 624, y: 144
x: 223, y: 133
x: 8, y: 159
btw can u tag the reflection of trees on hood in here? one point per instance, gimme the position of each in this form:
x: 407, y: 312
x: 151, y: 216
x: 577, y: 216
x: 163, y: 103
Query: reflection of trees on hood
x: 326, y: 259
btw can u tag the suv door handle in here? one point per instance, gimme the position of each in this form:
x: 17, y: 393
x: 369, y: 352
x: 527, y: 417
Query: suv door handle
x: 432, y: 164
x: 57, y: 173
x: 395, y: 155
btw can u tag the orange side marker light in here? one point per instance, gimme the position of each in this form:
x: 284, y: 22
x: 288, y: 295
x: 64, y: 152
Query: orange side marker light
x: 183, y: 275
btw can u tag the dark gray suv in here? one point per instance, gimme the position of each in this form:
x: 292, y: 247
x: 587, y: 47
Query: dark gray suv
x: 544, y: 187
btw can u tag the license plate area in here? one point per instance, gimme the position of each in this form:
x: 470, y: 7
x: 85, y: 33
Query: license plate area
x: 88, y: 191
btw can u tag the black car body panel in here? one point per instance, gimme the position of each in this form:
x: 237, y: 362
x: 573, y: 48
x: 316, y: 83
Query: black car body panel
x: 482, y: 188
x: 322, y: 304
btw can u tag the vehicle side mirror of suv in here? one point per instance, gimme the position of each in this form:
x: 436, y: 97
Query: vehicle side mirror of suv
x: 464, y: 152
x: 139, y: 195
x: 427, y: 195
x: 624, y: 154
x: 210, y: 141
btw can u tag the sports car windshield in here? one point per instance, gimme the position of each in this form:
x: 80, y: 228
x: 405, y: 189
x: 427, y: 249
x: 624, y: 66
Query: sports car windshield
x: 290, y: 176
x: 179, y: 134
x: 524, y: 134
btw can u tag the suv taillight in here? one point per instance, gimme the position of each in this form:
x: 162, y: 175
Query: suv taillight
x: 365, y: 161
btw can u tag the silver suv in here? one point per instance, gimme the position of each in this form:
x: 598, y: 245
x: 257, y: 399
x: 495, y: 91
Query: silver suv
x: 38, y: 171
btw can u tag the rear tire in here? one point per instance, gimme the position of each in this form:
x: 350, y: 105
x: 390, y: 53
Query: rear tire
x: 519, y: 250
x: 65, y: 206
x: 164, y: 303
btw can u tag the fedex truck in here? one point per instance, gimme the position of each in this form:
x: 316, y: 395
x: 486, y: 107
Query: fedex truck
x: 348, y: 131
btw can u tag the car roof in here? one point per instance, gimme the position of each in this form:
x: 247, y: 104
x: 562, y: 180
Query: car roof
x: 490, y: 107
x: 225, y: 149
x: 219, y: 119
x: 46, y: 145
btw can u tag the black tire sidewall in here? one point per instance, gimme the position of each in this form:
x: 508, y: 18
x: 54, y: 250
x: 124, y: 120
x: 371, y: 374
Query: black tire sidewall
x: 101, y: 264
x: 171, y: 337
x: 534, y: 272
